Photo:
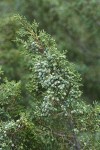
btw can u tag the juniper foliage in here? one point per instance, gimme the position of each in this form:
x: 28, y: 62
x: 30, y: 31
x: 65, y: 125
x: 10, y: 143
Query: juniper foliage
x: 56, y: 117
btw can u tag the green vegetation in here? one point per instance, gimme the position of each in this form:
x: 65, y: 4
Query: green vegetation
x: 49, y: 88
x: 75, y: 26
x: 55, y: 116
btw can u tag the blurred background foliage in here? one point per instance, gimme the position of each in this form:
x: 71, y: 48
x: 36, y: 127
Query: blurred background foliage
x: 74, y: 24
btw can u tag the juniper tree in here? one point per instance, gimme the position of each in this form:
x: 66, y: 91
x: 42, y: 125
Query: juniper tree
x: 54, y: 85
x: 56, y: 117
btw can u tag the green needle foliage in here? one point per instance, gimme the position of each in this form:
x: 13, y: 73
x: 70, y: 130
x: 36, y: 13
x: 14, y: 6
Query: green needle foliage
x: 56, y: 118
